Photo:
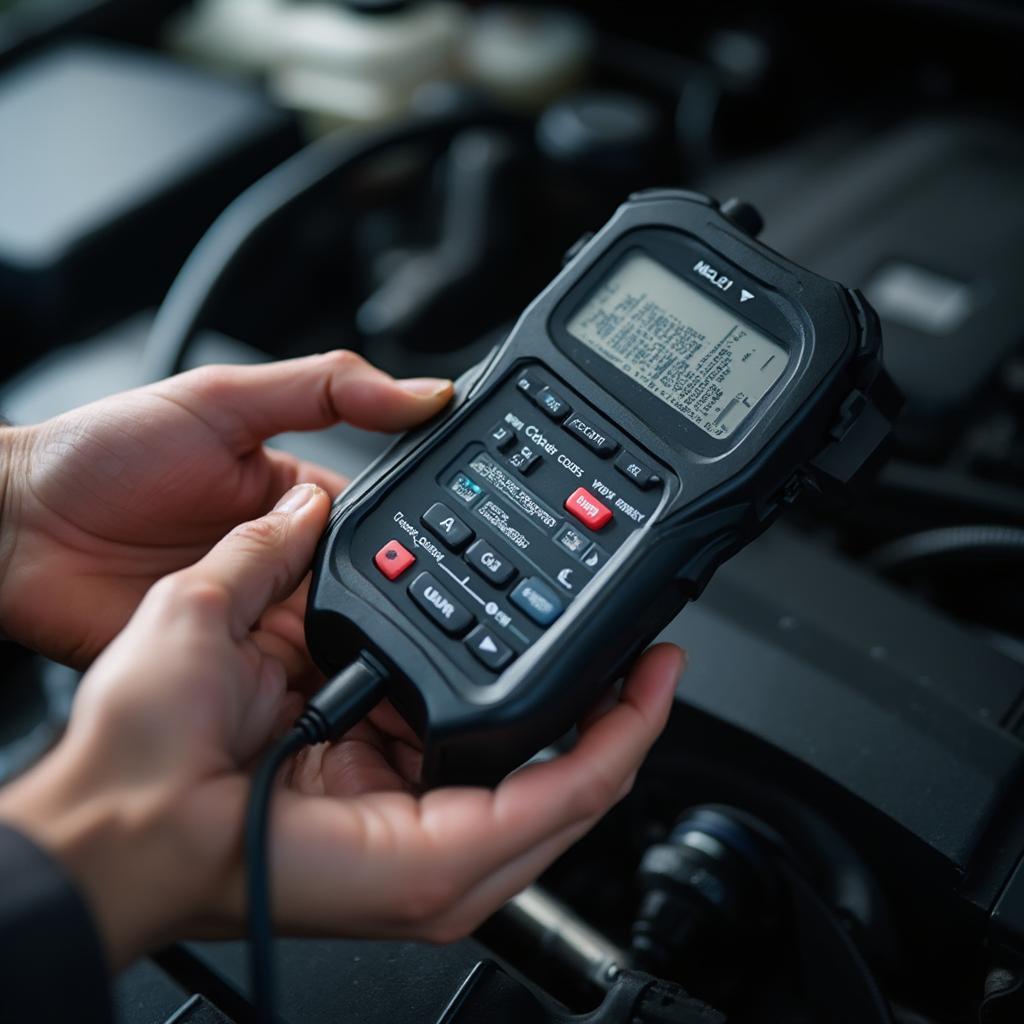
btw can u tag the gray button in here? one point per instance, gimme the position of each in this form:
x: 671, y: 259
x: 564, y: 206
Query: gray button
x: 488, y: 649
x: 439, y: 605
x: 446, y: 525
x: 639, y: 472
x: 594, y: 437
x: 538, y: 600
x: 553, y: 404
x: 525, y: 459
x: 494, y: 565
x: 572, y: 540
x: 530, y: 383
x: 503, y: 436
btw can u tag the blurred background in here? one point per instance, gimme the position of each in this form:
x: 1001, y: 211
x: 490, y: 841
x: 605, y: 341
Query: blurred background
x: 242, y: 180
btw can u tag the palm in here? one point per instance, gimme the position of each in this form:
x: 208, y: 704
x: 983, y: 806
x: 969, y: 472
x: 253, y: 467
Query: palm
x: 143, y: 487
x: 355, y: 841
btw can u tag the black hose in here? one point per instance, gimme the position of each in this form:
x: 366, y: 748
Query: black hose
x: 952, y: 544
x: 321, y: 165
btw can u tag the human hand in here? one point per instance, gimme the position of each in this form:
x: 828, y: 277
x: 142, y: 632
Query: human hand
x: 144, y: 799
x: 99, y: 503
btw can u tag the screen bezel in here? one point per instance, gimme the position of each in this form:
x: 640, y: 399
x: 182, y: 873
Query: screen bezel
x: 677, y: 252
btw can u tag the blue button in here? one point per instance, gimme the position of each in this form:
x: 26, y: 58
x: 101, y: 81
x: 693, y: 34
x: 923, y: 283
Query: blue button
x: 538, y: 600
x: 465, y: 487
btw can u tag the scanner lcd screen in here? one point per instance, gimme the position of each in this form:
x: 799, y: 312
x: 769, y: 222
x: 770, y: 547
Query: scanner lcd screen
x: 692, y: 353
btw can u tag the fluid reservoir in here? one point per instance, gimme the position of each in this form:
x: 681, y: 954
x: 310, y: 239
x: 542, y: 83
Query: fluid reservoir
x: 525, y: 57
x: 357, y: 61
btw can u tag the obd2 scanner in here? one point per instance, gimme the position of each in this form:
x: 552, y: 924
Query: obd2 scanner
x: 650, y: 413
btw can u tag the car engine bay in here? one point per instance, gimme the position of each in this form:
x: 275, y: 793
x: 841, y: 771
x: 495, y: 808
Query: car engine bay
x: 831, y: 829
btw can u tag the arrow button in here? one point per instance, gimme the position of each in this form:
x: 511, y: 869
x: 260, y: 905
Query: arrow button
x: 488, y: 649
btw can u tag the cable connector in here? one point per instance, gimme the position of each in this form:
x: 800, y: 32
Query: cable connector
x: 346, y: 699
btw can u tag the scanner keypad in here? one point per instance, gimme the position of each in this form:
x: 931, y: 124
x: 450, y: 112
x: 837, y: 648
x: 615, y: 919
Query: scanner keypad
x: 522, y: 513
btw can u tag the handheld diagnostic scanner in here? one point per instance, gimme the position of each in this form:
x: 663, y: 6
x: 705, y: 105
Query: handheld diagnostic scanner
x: 650, y: 414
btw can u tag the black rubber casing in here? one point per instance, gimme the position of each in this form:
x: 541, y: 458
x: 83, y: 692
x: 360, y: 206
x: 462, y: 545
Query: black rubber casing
x: 822, y: 420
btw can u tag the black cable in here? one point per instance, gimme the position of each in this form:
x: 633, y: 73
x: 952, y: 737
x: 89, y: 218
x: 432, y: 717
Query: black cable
x: 261, y: 961
x: 342, y: 703
x: 317, y: 167
x: 966, y: 544
x: 953, y: 493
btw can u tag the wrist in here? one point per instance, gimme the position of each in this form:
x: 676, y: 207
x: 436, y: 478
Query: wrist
x: 116, y: 845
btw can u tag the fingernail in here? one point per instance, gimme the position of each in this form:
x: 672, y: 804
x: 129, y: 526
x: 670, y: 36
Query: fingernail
x: 298, y: 496
x: 425, y: 387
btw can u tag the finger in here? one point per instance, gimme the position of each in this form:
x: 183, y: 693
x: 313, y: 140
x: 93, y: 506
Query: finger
x: 265, y: 560
x: 287, y: 618
x: 310, y: 393
x: 294, y: 660
x: 351, y: 768
x: 605, y: 703
x: 358, y: 766
x: 285, y: 623
x: 263, y: 706
x: 408, y: 762
x: 289, y: 471
x: 387, y: 719
x: 306, y: 775
x: 494, y: 890
x: 346, y: 768
x: 497, y: 889
x: 542, y: 798
x: 290, y: 708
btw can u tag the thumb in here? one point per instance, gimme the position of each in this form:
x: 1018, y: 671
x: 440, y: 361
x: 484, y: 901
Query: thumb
x: 263, y: 561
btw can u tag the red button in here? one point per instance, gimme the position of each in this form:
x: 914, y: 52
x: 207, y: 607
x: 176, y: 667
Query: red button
x: 393, y: 559
x: 587, y: 509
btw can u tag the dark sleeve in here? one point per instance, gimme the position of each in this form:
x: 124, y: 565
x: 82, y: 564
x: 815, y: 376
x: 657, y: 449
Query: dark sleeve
x: 52, y: 965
